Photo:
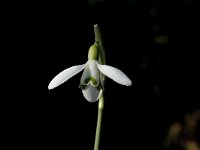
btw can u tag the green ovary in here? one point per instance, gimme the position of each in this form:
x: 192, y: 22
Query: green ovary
x: 93, y: 53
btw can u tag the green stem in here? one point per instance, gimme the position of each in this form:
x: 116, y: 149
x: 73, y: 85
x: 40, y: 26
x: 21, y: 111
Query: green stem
x: 98, y: 129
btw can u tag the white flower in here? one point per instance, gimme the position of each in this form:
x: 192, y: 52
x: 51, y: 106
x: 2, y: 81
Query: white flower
x: 91, y: 83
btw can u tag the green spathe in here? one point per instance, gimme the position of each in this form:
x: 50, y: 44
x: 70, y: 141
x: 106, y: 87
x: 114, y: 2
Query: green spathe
x: 93, y: 53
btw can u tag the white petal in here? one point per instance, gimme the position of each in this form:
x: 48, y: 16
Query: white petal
x: 91, y: 70
x: 65, y: 75
x: 91, y: 93
x: 115, y: 74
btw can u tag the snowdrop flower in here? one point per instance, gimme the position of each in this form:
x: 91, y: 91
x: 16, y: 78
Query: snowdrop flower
x: 91, y: 80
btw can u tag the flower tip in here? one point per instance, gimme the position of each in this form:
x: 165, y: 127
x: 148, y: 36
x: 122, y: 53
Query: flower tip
x: 50, y: 87
x: 129, y: 84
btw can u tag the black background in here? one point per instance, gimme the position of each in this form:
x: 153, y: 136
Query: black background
x: 58, y: 36
x: 4, y: 4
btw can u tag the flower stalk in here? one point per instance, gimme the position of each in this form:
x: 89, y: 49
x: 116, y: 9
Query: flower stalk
x: 98, y: 129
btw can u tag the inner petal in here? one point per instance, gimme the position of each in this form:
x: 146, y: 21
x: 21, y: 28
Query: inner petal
x: 90, y: 74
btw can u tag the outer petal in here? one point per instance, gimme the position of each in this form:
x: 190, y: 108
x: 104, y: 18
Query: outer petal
x: 91, y: 70
x: 65, y: 75
x: 115, y: 74
x: 91, y: 93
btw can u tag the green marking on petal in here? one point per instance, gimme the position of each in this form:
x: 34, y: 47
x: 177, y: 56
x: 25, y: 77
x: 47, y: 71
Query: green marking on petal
x: 87, y: 80
x: 92, y: 80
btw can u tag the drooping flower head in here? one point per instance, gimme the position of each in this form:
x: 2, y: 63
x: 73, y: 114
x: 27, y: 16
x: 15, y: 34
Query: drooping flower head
x: 93, y: 75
